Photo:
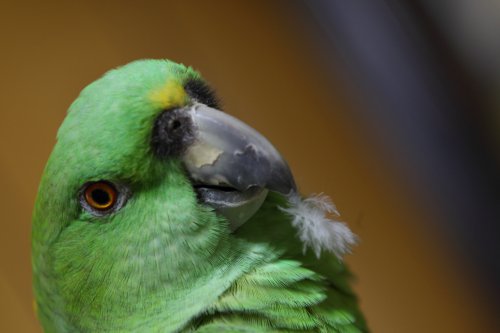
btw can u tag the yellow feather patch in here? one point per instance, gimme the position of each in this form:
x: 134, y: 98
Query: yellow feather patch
x: 170, y: 95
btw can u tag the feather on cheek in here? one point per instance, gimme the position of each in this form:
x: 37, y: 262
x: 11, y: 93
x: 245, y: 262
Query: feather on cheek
x: 315, y: 229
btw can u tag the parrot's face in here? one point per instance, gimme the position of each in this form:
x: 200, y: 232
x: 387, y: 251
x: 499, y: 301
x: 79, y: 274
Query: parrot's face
x: 146, y: 179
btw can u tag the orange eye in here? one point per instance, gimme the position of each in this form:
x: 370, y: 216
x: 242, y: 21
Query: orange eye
x: 101, y: 195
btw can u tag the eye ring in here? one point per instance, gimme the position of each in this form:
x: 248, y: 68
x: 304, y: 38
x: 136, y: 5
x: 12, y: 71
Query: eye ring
x: 102, y: 197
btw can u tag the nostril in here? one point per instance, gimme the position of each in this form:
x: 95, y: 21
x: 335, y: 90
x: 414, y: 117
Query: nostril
x: 172, y: 133
x: 175, y: 124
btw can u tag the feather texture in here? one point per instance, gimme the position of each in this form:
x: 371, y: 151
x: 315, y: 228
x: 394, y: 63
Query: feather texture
x: 315, y: 229
x: 281, y: 296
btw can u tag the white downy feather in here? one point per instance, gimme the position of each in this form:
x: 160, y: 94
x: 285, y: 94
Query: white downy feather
x: 315, y: 229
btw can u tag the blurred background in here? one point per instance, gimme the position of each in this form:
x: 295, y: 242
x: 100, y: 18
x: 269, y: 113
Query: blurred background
x: 389, y: 107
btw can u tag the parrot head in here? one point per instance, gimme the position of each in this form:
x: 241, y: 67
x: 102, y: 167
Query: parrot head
x: 145, y: 183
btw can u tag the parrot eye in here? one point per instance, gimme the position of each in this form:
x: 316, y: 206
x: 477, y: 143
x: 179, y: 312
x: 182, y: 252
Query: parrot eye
x: 100, y: 195
x: 101, y: 198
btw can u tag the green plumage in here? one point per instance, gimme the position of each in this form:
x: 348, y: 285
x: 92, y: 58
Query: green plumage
x: 164, y: 262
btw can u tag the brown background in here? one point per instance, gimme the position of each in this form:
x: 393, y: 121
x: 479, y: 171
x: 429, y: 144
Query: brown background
x: 252, y: 53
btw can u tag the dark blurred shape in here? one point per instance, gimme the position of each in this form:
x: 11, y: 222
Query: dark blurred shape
x: 427, y: 108
x: 471, y: 28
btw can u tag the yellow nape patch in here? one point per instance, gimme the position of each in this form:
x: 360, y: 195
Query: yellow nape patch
x: 172, y: 94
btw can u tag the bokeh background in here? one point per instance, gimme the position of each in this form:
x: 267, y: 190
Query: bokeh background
x: 389, y: 107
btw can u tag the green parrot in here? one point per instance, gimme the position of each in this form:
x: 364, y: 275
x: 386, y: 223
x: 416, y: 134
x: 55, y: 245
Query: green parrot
x: 157, y: 212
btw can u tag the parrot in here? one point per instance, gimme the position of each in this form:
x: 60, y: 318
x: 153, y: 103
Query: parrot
x: 159, y: 212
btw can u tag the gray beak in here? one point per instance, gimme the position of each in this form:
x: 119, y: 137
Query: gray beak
x: 232, y: 166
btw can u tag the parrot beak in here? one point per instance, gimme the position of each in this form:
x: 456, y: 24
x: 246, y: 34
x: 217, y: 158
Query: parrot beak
x: 232, y: 166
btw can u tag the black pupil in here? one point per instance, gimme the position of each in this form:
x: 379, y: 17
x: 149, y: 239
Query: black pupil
x: 101, y: 197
